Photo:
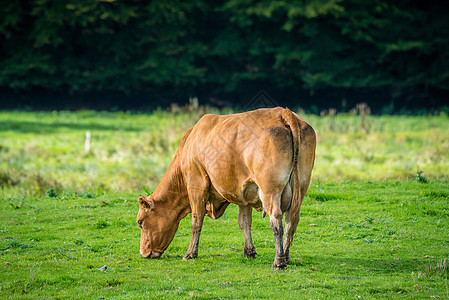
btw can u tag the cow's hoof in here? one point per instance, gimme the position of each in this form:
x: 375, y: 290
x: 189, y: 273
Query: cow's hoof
x: 279, y: 263
x: 189, y: 256
x: 250, y: 253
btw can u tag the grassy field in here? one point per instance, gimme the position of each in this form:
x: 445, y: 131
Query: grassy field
x: 372, y: 226
x: 373, y: 240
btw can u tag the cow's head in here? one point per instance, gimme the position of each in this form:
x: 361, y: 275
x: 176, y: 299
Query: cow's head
x: 158, y: 227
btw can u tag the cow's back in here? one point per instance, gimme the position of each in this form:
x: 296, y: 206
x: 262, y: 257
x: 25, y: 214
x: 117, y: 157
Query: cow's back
x: 232, y: 150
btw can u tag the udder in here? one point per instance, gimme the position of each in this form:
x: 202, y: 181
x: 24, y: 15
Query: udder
x: 250, y: 195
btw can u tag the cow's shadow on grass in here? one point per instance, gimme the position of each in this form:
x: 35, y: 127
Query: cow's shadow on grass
x: 340, y: 268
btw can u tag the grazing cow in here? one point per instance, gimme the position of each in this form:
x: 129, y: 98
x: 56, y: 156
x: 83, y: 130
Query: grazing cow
x: 261, y: 159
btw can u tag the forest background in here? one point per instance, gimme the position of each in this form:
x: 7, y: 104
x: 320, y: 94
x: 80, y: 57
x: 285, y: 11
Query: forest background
x: 139, y: 55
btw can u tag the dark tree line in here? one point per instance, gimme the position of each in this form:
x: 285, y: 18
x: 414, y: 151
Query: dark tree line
x: 327, y: 49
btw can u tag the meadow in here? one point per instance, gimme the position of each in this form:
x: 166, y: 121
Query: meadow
x: 374, y: 223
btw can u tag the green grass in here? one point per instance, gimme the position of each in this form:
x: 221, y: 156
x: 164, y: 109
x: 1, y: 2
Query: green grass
x: 373, y: 225
x: 374, y: 240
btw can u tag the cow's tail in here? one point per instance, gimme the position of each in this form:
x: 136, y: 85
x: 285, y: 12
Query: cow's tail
x: 304, y: 143
x: 291, y: 121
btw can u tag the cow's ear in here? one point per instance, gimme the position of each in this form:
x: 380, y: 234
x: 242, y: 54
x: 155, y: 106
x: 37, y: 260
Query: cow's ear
x: 146, y: 203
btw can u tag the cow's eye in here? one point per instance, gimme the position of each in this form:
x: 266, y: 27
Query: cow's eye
x: 140, y: 223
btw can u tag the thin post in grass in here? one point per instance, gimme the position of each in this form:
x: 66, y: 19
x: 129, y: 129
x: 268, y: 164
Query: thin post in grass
x: 87, y: 142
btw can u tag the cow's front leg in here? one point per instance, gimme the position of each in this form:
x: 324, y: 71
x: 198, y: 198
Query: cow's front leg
x: 198, y: 213
x: 245, y: 220
x: 196, y: 189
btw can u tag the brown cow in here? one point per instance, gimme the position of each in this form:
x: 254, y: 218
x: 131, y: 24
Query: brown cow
x: 261, y: 159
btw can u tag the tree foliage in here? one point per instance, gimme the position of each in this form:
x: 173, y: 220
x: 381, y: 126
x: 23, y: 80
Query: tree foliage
x: 133, y: 45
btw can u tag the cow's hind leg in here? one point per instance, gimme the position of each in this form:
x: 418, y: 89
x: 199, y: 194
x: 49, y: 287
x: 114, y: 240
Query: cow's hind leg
x: 272, y: 205
x: 245, y: 220
x: 291, y: 223
x: 292, y: 218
